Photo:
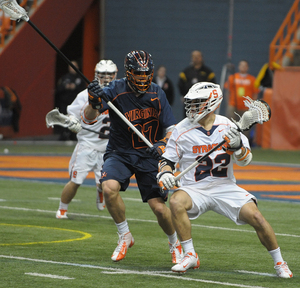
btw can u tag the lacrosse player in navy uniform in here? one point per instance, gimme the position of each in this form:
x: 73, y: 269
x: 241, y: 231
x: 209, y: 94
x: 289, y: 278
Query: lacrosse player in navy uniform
x: 211, y: 185
x: 145, y: 105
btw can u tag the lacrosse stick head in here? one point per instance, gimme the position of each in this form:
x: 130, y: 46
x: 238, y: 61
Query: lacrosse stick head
x: 54, y: 117
x: 12, y: 8
x: 259, y: 112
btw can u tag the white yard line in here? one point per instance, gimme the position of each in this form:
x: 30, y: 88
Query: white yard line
x: 140, y: 220
x: 58, y: 199
x: 256, y: 273
x: 49, y: 276
x: 109, y: 270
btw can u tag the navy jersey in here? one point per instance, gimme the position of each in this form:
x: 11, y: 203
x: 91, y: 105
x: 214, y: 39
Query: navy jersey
x: 150, y: 113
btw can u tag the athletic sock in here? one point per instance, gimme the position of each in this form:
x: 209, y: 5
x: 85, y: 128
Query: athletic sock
x: 122, y: 227
x: 172, y: 238
x: 276, y: 255
x: 188, y: 246
x: 63, y: 206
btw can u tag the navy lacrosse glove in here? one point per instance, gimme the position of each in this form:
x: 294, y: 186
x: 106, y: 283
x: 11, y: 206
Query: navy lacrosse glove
x: 157, y: 149
x: 95, y: 94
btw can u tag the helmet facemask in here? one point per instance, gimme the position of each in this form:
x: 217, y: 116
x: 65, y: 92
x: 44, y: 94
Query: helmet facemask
x: 105, y: 72
x: 202, y: 99
x: 139, y: 69
x: 140, y: 80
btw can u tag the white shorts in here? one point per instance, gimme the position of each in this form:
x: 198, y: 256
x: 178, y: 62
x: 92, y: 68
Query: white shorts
x: 85, y: 159
x: 226, y: 200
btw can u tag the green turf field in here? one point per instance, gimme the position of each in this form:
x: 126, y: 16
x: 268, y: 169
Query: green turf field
x: 37, y: 249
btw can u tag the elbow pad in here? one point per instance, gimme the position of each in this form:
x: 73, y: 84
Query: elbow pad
x: 243, y: 156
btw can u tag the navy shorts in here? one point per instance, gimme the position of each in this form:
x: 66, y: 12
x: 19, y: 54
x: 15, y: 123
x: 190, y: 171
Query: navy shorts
x: 122, y: 167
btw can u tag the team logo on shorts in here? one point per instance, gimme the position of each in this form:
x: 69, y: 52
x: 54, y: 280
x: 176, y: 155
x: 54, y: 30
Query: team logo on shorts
x: 103, y: 175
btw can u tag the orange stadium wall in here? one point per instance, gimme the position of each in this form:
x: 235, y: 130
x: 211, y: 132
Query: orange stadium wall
x: 285, y: 128
x: 28, y: 62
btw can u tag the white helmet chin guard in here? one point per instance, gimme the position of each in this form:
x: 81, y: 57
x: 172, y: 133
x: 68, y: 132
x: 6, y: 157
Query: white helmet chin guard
x: 105, y: 72
x: 202, y: 99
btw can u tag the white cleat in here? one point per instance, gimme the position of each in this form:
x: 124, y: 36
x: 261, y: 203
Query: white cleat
x: 125, y: 241
x: 176, y: 252
x: 61, y: 214
x: 282, y: 270
x: 189, y: 261
x: 100, y: 201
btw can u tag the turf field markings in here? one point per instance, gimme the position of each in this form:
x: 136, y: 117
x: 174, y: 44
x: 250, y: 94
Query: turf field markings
x: 141, y: 220
x: 49, y: 276
x: 109, y: 270
x: 85, y: 235
x: 132, y: 199
x: 2, y: 200
x: 58, y: 199
x: 256, y: 273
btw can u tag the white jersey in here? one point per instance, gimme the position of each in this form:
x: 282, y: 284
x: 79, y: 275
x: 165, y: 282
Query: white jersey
x: 102, y: 125
x: 188, y: 141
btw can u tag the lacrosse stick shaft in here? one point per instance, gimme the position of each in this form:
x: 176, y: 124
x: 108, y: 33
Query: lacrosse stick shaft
x: 199, y: 160
x: 102, y: 135
x: 59, y: 52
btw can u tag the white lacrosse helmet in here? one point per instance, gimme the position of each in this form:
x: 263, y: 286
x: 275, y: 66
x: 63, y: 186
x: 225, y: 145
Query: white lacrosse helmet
x: 105, y: 72
x: 202, y: 99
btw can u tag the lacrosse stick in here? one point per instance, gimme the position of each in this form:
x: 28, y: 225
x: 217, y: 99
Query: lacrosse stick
x: 17, y: 13
x: 259, y: 112
x: 54, y: 117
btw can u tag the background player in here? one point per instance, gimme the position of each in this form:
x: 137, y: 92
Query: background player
x: 145, y: 105
x: 211, y: 185
x: 88, y: 153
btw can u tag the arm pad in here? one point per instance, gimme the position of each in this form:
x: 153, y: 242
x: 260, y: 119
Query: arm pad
x: 243, y: 156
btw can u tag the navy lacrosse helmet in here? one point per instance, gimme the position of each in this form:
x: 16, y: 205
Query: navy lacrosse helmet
x: 139, y: 70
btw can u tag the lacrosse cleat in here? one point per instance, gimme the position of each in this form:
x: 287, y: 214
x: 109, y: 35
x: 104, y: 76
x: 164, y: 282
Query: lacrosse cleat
x: 282, y: 270
x: 188, y: 262
x: 100, y: 201
x: 125, y: 241
x: 61, y: 214
x: 176, y: 252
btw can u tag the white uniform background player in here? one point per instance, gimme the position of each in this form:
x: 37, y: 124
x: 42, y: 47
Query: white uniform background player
x: 88, y: 153
x: 211, y: 185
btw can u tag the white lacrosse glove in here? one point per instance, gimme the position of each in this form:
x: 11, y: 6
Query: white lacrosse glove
x: 233, y: 141
x: 74, y: 125
x: 167, y: 179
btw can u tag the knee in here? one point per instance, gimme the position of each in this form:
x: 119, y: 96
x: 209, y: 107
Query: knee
x: 176, y: 203
x: 109, y: 192
x: 257, y: 220
x: 159, y: 210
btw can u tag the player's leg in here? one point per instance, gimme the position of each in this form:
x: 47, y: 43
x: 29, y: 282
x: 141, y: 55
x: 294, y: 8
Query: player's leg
x: 250, y: 214
x: 164, y: 219
x: 81, y: 163
x: 149, y: 191
x: 116, y: 177
x: 114, y: 202
x: 67, y: 195
x: 100, y: 200
x: 180, y: 203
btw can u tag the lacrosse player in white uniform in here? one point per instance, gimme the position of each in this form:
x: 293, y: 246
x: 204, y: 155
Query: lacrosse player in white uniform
x: 88, y: 153
x: 211, y: 185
